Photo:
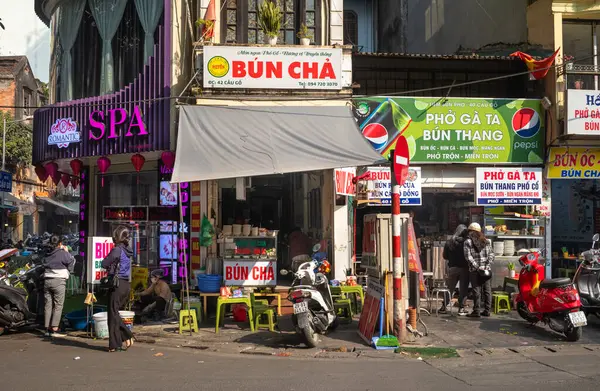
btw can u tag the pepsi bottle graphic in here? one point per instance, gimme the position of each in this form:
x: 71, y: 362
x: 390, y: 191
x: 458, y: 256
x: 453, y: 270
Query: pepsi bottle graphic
x: 385, y: 124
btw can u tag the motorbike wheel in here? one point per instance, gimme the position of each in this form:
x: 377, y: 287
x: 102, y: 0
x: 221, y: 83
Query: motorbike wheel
x: 573, y: 334
x: 524, y: 313
x: 335, y: 324
x: 312, y: 338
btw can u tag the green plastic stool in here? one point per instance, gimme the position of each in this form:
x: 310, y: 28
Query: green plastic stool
x: 501, y: 303
x: 344, y: 306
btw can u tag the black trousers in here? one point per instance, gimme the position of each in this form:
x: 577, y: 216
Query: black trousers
x: 481, y: 289
x: 117, y: 331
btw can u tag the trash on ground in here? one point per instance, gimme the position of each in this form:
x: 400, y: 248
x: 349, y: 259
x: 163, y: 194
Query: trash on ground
x: 158, y: 354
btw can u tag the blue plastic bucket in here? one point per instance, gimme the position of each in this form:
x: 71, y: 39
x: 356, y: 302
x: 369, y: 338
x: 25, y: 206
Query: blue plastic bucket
x: 78, y: 319
x: 209, y: 283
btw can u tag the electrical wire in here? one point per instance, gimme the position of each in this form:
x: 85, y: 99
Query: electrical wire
x: 298, y: 98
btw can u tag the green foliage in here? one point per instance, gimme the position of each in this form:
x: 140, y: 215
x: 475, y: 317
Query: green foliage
x: 19, y: 142
x: 303, y: 32
x: 269, y: 18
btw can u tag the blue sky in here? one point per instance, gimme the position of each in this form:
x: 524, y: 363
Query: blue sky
x: 25, y: 34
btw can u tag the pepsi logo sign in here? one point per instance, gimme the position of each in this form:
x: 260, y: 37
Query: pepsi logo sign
x: 377, y: 135
x: 526, y: 122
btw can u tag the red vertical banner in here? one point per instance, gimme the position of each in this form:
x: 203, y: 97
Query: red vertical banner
x: 414, y: 262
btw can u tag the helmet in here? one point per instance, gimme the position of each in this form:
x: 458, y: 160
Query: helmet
x: 121, y: 235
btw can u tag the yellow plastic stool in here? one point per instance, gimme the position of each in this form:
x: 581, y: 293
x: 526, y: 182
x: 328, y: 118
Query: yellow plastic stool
x: 501, y: 303
x: 188, y: 321
x: 197, y: 306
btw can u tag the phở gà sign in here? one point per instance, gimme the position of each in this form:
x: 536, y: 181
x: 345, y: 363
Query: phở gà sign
x: 583, y: 112
x: 273, y: 67
x: 509, y: 186
x: 454, y: 130
x: 64, y: 132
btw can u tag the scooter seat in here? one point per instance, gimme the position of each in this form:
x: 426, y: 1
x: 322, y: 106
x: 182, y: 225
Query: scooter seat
x: 555, y: 283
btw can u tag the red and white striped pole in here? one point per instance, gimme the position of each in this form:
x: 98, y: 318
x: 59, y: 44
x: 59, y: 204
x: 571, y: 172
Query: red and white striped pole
x: 396, y: 256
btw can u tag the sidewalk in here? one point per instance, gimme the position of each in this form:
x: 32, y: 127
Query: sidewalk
x: 505, y: 331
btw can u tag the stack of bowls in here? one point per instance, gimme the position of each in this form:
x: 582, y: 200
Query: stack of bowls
x: 509, y: 247
x: 499, y: 248
x: 237, y: 229
x: 246, y: 230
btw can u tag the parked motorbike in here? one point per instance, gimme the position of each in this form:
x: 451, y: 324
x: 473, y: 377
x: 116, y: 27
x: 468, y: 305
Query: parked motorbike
x: 19, y: 307
x: 311, y: 297
x: 587, y: 279
x: 554, y: 302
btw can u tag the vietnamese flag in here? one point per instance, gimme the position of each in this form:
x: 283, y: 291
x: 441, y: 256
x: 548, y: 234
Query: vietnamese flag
x: 209, y: 16
x: 533, y: 65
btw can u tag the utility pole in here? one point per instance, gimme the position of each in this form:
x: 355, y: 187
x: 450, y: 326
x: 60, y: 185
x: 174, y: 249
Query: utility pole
x: 4, y: 144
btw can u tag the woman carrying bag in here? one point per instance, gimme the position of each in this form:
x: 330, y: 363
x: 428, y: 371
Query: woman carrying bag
x: 118, y: 265
x: 480, y: 256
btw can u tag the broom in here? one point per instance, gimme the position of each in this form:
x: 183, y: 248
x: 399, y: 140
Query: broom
x: 385, y: 341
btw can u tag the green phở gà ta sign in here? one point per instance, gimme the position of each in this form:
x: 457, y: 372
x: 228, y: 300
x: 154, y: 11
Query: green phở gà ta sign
x: 455, y: 130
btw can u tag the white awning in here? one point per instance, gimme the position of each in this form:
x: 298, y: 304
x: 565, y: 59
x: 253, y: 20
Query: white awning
x: 232, y: 142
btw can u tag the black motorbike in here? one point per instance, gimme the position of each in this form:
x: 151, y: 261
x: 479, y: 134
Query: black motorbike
x: 587, y: 279
x: 19, y: 307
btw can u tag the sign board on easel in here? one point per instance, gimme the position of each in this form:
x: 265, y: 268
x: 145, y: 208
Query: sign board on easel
x: 98, y: 249
x: 370, y: 312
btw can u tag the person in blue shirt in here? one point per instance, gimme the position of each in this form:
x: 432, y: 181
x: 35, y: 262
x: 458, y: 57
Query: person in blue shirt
x: 118, y: 263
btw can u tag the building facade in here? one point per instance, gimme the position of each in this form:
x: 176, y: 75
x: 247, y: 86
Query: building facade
x: 113, y: 70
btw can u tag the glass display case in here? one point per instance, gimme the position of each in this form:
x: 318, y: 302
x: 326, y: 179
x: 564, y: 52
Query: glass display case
x: 249, y: 247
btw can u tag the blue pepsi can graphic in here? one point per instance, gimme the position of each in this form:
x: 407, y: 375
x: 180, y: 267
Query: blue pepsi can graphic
x: 384, y: 125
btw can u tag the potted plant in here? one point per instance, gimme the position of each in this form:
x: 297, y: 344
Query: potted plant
x: 511, y: 269
x: 304, y: 35
x: 269, y: 21
x: 206, y: 26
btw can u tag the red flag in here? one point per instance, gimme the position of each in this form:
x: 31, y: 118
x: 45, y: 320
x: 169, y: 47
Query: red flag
x: 539, y: 68
x: 208, y: 30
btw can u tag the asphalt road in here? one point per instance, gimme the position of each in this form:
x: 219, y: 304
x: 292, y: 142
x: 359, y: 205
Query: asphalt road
x: 30, y: 363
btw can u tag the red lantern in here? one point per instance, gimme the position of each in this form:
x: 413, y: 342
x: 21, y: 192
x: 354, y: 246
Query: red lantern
x: 138, y: 161
x: 52, y: 170
x: 41, y: 173
x: 65, y: 179
x: 168, y: 159
x: 74, y: 182
x: 76, y: 166
x: 103, y: 166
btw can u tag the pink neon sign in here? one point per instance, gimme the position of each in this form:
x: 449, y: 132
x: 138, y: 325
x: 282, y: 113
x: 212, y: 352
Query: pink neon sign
x: 115, y: 119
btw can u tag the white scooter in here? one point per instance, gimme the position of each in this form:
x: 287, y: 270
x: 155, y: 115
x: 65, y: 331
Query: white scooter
x: 313, y: 305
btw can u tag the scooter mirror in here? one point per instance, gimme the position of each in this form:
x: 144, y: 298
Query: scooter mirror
x: 596, y: 237
x: 283, y: 272
x: 316, y: 248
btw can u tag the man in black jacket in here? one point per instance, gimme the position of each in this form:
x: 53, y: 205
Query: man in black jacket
x: 458, y: 268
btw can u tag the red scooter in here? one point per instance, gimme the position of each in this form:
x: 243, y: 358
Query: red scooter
x: 554, y: 302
